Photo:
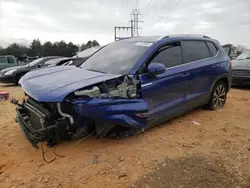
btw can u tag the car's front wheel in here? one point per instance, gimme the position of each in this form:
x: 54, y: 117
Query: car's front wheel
x: 218, y: 96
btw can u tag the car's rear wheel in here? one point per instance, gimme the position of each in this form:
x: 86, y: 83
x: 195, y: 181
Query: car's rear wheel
x: 218, y: 96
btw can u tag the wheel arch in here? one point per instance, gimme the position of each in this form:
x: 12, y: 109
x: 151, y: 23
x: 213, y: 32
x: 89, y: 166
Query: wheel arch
x: 224, y: 78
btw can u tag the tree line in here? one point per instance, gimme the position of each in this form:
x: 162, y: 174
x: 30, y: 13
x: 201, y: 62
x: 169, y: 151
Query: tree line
x: 237, y: 50
x: 36, y: 48
x: 61, y: 48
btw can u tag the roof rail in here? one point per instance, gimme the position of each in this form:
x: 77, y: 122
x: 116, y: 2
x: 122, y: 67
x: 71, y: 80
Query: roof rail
x: 187, y: 35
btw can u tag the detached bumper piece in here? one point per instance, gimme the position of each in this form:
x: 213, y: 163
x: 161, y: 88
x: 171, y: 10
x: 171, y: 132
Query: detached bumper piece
x: 34, y: 124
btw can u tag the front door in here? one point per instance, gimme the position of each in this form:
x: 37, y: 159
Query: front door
x: 166, y: 92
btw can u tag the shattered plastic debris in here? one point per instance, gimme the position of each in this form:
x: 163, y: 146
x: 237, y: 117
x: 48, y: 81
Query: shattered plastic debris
x: 196, y: 123
x: 4, y: 95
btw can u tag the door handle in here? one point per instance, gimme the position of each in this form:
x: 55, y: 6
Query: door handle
x: 215, y: 66
x: 185, y: 74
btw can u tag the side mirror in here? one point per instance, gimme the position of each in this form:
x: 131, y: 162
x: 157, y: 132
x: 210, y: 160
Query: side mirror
x: 156, y: 68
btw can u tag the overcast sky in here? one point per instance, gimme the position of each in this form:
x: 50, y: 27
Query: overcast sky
x: 82, y: 20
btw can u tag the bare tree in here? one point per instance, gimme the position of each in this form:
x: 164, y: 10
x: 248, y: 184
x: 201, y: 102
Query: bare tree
x: 240, y: 49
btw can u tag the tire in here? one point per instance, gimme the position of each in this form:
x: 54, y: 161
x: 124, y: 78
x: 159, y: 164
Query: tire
x: 218, y: 96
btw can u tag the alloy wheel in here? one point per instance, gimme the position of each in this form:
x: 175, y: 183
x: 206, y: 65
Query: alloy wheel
x: 219, y: 97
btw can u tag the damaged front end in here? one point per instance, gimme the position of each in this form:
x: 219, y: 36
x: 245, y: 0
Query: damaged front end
x: 112, y: 108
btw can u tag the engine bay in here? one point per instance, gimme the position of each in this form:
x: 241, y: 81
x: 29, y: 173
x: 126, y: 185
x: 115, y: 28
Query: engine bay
x: 125, y: 87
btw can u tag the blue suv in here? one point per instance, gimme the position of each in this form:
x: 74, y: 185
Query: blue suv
x: 124, y: 88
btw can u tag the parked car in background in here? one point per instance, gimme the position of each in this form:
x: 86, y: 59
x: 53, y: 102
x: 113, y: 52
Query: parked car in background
x: 124, y: 88
x: 13, y: 74
x: 229, y: 51
x: 76, y: 60
x: 88, y: 52
x: 241, y: 69
x: 7, y: 61
x: 65, y: 62
x: 55, y: 62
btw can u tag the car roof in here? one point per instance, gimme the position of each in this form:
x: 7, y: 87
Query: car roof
x: 154, y: 39
x: 7, y: 56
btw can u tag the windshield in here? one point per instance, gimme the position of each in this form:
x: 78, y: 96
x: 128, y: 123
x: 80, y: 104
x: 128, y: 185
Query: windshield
x: 33, y: 63
x: 245, y: 55
x: 3, y: 60
x: 88, y: 52
x: 117, y: 57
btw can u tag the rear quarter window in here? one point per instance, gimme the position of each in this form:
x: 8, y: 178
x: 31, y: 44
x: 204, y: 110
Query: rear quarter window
x: 213, y: 50
x: 194, y: 51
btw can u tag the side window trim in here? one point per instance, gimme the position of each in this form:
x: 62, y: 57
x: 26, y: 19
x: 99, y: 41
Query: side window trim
x: 209, y: 50
x: 206, y: 42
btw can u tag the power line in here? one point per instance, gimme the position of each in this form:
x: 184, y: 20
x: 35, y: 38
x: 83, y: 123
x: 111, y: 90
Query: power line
x: 121, y: 7
x: 164, y: 6
x: 151, y: 2
x: 126, y: 7
x: 137, y: 2
x: 125, y: 13
x: 170, y: 9
x: 173, y: 6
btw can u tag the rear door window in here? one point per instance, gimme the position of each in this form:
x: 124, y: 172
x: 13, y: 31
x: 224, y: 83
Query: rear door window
x: 194, y: 51
x: 213, y: 50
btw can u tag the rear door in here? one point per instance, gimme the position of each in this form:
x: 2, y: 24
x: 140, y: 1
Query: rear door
x: 165, y: 93
x: 199, y: 58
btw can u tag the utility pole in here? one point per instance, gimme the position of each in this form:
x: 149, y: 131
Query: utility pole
x: 136, y: 20
x: 123, y: 28
x: 134, y: 26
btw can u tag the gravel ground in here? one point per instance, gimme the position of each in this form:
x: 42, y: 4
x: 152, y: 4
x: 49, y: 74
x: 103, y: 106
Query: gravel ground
x: 201, y: 149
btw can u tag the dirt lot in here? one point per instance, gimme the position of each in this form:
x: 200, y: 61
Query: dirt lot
x: 181, y: 153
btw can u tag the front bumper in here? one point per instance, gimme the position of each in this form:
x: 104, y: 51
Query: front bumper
x: 8, y: 79
x: 241, y: 81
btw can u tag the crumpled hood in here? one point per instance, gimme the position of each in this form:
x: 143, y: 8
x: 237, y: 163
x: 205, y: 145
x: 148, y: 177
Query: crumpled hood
x: 55, y: 83
x: 241, y: 64
x: 11, y: 68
